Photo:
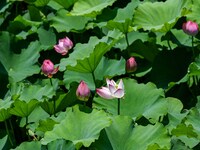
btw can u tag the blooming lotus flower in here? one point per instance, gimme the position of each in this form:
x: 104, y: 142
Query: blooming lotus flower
x: 48, y: 68
x: 190, y: 28
x: 63, y: 46
x: 83, y: 92
x: 131, y: 65
x: 112, y: 90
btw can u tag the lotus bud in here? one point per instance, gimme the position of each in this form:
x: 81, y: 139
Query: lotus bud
x: 131, y: 65
x: 83, y: 92
x: 190, y: 28
x: 63, y: 46
x: 48, y: 68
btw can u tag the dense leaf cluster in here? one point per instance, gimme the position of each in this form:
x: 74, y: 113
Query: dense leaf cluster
x: 161, y: 105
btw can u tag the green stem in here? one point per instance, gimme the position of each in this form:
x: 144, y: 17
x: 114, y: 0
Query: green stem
x: 118, y: 106
x: 54, y: 101
x: 7, y: 130
x: 126, y: 37
x: 12, y: 130
x: 93, y: 76
x: 193, y: 47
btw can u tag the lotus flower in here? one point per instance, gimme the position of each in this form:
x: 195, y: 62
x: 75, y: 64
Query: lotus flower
x: 48, y: 68
x: 83, y: 92
x: 131, y: 65
x: 63, y: 46
x: 190, y: 28
x: 112, y: 90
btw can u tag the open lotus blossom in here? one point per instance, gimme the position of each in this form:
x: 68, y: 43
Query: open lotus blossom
x: 131, y: 65
x: 112, y: 90
x: 48, y: 68
x: 190, y: 28
x: 83, y: 92
x: 63, y: 46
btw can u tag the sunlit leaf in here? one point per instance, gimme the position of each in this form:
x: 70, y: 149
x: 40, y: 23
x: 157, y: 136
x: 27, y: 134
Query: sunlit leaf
x: 61, y: 145
x: 19, y: 66
x: 159, y: 16
x: 136, y: 137
x: 34, y: 145
x: 135, y: 103
x: 4, y: 109
x: 90, y: 7
x: 22, y: 108
x: 79, y: 127
x: 61, y: 22
x: 3, y: 141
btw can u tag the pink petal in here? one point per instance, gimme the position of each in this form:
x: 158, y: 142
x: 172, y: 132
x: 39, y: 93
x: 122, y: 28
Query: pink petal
x: 104, y: 92
x: 119, y: 93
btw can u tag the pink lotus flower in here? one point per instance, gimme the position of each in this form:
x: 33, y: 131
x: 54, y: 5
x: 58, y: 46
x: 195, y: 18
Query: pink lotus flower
x: 48, y: 68
x: 190, y: 28
x: 63, y: 46
x: 112, y: 90
x: 83, y: 92
x: 131, y: 65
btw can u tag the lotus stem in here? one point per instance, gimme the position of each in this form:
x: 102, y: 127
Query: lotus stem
x: 118, y: 107
x: 126, y: 37
x: 7, y: 130
x: 54, y: 101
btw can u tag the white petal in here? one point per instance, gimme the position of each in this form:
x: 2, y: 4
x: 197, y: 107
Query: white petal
x: 112, y: 89
x: 119, y: 93
x: 104, y: 92
x: 121, y: 84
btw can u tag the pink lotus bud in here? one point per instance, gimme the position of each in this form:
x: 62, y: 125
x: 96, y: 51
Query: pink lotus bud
x: 63, y: 46
x: 83, y: 92
x: 48, y: 68
x: 131, y: 65
x: 190, y: 28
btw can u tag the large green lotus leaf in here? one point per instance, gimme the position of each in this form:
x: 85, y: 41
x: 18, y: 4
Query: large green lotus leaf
x: 135, y: 103
x: 123, y: 27
x: 159, y: 16
x: 65, y: 4
x: 41, y: 3
x: 46, y: 37
x: 193, y: 119
x: 80, y: 52
x: 4, y: 109
x: 3, y: 141
x: 34, y: 145
x: 175, y: 114
x: 132, y: 36
x: 34, y: 117
x: 79, y: 127
x: 19, y: 66
x: 90, y: 7
x: 194, y: 15
x: 108, y: 67
x: 88, y: 65
x: 123, y: 19
x: 86, y: 57
x: 22, y: 108
x: 37, y: 92
x: 61, y: 145
x: 113, y: 67
x: 138, y: 137
x: 63, y: 23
